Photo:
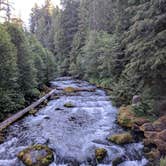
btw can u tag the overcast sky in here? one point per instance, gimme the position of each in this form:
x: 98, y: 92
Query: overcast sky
x: 23, y: 7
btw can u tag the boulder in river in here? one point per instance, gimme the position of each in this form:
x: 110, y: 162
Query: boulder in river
x: 37, y: 155
x: 69, y: 105
x: 123, y: 138
x: 100, y: 154
x: 69, y: 90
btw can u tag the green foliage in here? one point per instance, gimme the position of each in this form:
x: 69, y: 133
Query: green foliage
x: 114, y: 44
x: 24, y: 65
x: 27, y: 72
x: 163, y: 161
x: 8, y: 66
x: 10, y: 98
x: 44, y: 61
x: 95, y: 58
x: 50, y: 66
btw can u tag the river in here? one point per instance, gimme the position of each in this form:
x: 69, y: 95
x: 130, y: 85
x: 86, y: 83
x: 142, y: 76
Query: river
x: 73, y: 133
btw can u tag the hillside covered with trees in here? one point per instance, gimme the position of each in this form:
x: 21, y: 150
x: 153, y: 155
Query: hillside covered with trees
x: 25, y: 65
x: 115, y: 44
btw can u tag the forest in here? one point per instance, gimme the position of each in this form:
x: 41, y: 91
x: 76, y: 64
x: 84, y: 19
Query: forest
x: 119, y: 45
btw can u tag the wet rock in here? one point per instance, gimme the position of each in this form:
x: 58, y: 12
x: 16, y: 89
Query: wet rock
x: 47, y: 117
x: 100, y: 154
x: 72, y: 118
x: 117, y: 161
x: 71, y: 161
x: 69, y: 105
x: 58, y: 109
x: 72, y: 89
x: 69, y: 90
x: 123, y: 138
x: 37, y: 155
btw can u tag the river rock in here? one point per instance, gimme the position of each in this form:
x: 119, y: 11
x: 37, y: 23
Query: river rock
x: 37, y: 155
x: 117, y: 161
x: 69, y: 105
x: 69, y: 90
x: 155, y: 136
x: 100, y: 154
x: 123, y: 138
x: 127, y: 118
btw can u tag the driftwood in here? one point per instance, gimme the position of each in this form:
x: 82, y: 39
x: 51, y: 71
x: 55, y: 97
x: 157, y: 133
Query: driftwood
x: 21, y: 113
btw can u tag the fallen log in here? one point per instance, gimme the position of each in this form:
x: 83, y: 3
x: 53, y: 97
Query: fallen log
x: 21, y: 113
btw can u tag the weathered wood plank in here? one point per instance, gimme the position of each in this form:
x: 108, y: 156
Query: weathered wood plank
x: 21, y: 113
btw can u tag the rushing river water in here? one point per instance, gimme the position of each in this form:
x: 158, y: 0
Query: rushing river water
x: 73, y: 133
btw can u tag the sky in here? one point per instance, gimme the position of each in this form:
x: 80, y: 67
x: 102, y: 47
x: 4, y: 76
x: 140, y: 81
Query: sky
x: 23, y: 8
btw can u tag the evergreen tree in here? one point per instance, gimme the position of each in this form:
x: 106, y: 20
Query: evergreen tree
x: 10, y: 98
x: 27, y: 72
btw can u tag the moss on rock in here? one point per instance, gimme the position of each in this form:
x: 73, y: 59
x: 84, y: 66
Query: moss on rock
x: 69, y: 105
x: 69, y: 90
x: 37, y: 155
x: 121, y: 138
x: 127, y: 118
x: 100, y: 154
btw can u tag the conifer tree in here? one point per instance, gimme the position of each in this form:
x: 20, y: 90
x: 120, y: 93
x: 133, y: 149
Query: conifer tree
x: 27, y: 72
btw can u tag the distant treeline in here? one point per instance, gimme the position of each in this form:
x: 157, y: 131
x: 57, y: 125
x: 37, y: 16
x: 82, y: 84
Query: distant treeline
x: 119, y: 44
